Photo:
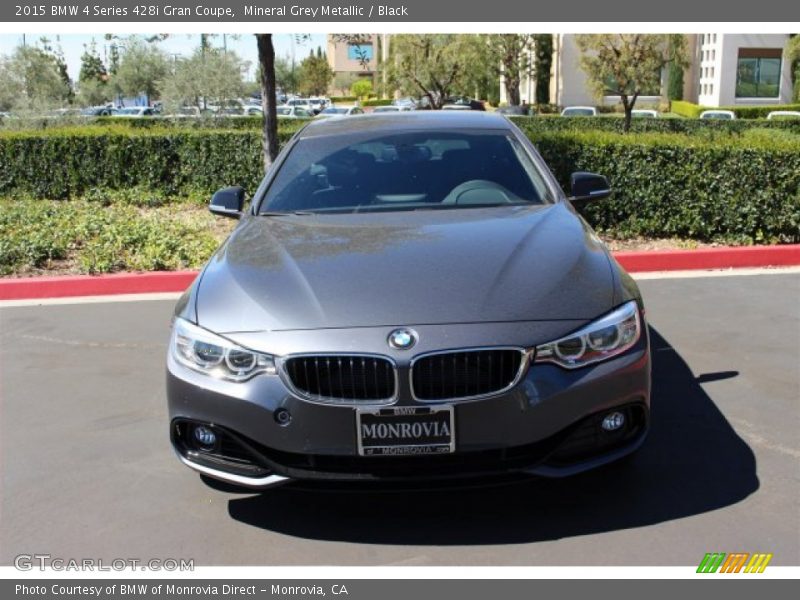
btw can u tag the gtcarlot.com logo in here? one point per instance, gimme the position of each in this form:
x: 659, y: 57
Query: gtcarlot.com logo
x: 41, y: 562
x: 735, y: 562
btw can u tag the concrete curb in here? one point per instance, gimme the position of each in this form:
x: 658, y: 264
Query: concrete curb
x: 176, y: 281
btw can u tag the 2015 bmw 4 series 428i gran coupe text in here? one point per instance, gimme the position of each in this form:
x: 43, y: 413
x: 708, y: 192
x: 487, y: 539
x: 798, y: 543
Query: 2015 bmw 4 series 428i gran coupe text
x: 408, y: 297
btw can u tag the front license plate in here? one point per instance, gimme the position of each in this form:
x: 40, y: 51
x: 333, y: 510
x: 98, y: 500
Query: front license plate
x: 403, y: 431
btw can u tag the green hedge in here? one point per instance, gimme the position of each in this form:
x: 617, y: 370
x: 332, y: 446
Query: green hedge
x: 686, y: 109
x: 667, y: 185
x: 693, y: 127
x: 692, y: 111
x: 744, y: 189
x: 377, y: 102
x: 66, y: 162
x: 335, y: 99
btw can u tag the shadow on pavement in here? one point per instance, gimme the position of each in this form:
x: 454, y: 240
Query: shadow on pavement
x: 693, y: 462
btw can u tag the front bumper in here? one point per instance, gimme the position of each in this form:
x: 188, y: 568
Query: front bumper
x: 547, y: 424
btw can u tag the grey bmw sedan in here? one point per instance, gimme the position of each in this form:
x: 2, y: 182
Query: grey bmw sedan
x: 408, y: 297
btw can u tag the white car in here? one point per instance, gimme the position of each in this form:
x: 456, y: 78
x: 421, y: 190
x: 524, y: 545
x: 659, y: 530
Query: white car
x: 579, y: 111
x: 723, y: 115
x: 340, y: 111
x: 293, y: 112
x: 392, y: 109
x: 783, y: 114
x: 300, y: 103
x: 643, y: 113
x: 135, y: 112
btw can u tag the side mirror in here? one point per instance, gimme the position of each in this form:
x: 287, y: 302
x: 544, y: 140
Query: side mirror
x: 588, y: 186
x: 228, y: 202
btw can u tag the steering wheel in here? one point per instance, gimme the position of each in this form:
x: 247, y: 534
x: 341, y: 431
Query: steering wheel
x: 478, y: 191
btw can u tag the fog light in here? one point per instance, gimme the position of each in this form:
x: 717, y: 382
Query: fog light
x: 613, y: 421
x: 205, y: 437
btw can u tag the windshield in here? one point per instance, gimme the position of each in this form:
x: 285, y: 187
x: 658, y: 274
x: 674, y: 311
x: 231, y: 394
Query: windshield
x: 334, y: 111
x: 405, y: 171
x: 578, y: 112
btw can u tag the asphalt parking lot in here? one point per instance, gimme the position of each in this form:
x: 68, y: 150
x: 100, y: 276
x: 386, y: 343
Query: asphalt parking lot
x: 87, y: 470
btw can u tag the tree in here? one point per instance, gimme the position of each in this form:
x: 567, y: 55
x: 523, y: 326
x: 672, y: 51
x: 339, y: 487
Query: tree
x: 266, y: 73
x: 208, y: 75
x: 57, y: 56
x: 285, y: 75
x: 343, y: 82
x: 361, y: 88
x: 430, y: 65
x: 142, y: 67
x: 793, y: 55
x: 543, y: 43
x: 315, y: 74
x: 93, y: 78
x: 511, y: 55
x: 32, y: 78
x: 628, y: 65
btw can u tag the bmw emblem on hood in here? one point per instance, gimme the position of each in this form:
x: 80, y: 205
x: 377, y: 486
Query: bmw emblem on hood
x: 402, y: 339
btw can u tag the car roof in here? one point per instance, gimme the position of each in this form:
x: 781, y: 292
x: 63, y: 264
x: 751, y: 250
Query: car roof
x: 419, y: 120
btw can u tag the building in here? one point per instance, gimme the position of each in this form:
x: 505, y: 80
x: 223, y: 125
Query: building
x: 724, y: 70
x: 350, y: 61
x: 729, y: 69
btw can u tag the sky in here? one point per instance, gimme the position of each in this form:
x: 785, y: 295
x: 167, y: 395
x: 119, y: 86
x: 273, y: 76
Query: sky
x: 178, y: 44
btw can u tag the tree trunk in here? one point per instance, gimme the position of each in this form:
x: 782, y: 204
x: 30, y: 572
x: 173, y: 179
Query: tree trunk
x: 628, y: 104
x: 266, y: 60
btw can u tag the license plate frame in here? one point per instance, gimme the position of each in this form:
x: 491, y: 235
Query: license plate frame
x: 397, y: 415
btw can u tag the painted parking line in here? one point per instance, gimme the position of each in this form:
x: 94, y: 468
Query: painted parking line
x: 749, y: 272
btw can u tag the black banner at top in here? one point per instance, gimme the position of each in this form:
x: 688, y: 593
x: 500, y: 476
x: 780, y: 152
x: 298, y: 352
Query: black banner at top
x: 439, y: 11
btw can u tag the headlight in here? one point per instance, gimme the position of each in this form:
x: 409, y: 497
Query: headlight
x: 208, y: 353
x: 609, y: 336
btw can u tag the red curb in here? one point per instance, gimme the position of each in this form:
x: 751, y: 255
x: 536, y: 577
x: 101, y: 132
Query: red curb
x: 95, y: 285
x: 710, y: 258
x: 177, y: 281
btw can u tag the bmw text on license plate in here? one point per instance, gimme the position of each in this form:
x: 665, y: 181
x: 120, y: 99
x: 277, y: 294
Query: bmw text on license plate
x: 405, y: 430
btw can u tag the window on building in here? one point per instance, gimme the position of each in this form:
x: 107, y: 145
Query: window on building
x: 359, y: 52
x: 714, y: 38
x: 758, y: 73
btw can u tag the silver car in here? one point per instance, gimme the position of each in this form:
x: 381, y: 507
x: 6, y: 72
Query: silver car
x: 408, y: 297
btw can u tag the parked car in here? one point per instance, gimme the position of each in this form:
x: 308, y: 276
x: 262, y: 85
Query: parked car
x: 293, y: 112
x: 392, y: 109
x: 783, y: 114
x: 408, y: 101
x: 644, y: 113
x: 462, y: 103
x: 185, y: 112
x: 579, y: 111
x: 300, y: 103
x: 340, y: 111
x: 99, y: 111
x: 317, y: 105
x: 408, y: 298
x: 724, y: 115
x: 513, y: 110
x: 135, y: 112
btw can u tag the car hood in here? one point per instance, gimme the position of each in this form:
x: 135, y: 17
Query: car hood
x: 472, y: 265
